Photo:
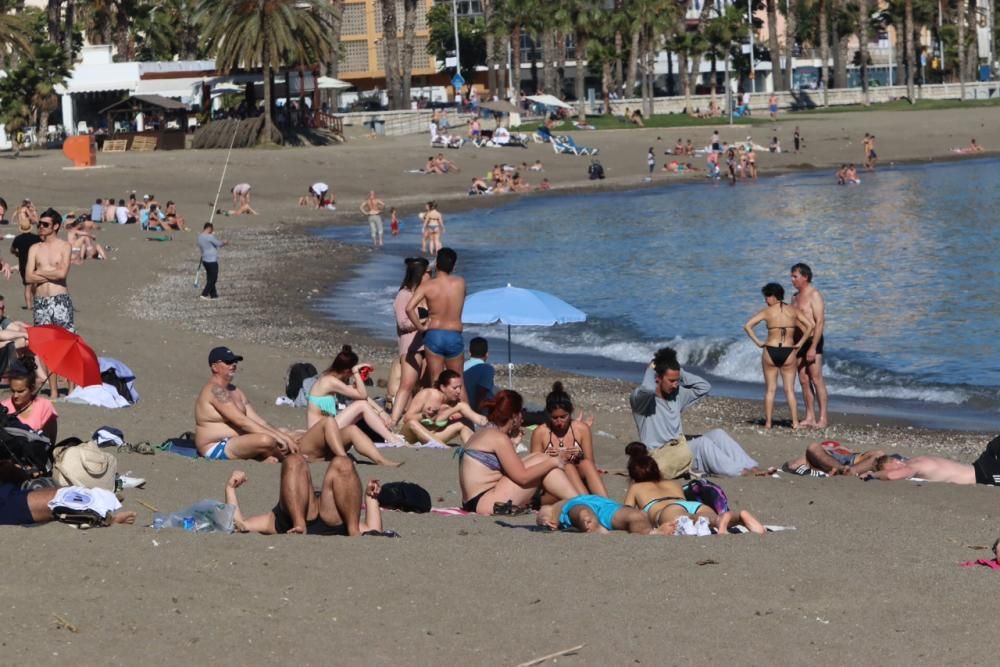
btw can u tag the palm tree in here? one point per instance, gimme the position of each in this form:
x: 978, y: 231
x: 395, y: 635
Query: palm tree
x: 772, y: 45
x: 514, y: 17
x: 15, y: 35
x: 908, y: 44
x: 863, y: 48
x: 791, y: 9
x: 824, y: 48
x: 262, y: 33
x: 961, y: 48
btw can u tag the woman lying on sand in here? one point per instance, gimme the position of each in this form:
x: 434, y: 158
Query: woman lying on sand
x: 345, y: 377
x: 779, y: 350
x: 663, y: 500
x: 561, y: 435
x: 490, y: 471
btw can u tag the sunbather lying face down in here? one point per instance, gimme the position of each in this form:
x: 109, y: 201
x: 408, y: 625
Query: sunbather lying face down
x: 595, y: 514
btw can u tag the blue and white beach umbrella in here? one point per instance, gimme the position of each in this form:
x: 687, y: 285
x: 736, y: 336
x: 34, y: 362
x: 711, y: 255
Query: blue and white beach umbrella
x: 516, y: 306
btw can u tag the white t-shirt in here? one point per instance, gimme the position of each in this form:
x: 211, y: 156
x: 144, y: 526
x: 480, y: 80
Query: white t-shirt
x: 320, y: 188
x: 241, y: 189
x: 121, y: 214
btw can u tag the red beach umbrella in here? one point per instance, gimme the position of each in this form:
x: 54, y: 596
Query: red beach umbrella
x: 65, y: 354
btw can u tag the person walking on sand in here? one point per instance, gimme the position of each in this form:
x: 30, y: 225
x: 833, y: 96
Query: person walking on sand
x: 373, y: 207
x: 809, y: 300
x: 209, y: 246
x: 48, y: 269
x: 445, y: 298
x: 772, y: 106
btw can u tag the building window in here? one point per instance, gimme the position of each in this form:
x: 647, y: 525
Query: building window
x: 355, y: 56
x: 353, y: 20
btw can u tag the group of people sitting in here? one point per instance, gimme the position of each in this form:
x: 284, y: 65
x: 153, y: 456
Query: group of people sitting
x: 504, y: 178
x: 439, y: 164
x: 848, y: 175
x: 147, y: 212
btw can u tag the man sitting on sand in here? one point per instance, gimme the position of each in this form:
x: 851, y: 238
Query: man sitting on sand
x: 227, y: 427
x: 597, y: 514
x: 832, y: 458
x: 666, y: 391
x: 437, y: 415
x: 984, y: 470
x: 335, y: 509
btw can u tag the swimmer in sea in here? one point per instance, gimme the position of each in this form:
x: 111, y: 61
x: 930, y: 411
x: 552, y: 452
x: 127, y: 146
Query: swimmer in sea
x: 779, y: 350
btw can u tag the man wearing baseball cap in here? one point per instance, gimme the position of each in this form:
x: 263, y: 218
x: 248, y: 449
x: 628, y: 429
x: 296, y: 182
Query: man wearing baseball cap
x: 227, y: 426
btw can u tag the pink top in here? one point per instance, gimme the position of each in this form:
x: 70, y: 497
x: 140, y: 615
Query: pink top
x: 410, y: 340
x: 36, y: 416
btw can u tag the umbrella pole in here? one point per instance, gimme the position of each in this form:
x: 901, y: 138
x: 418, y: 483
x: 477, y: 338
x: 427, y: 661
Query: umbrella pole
x: 510, y: 365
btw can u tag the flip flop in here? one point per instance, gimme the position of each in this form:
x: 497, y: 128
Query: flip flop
x: 82, y: 519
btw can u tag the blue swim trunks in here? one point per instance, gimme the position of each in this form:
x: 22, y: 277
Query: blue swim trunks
x: 218, y: 451
x: 603, y: 508
x: 443, y: 343
x: 14, y: 510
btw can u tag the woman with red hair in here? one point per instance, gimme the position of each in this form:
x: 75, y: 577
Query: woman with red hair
x: 490, y: 471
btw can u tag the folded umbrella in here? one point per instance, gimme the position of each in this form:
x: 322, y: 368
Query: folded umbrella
x: 64, y: 353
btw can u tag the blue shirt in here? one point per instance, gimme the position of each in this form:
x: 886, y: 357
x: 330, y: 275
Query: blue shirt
x: 478, y: 378
x: 97, y: 212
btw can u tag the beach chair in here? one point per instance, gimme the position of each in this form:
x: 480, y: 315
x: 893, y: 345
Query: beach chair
x: 569, y: 142
x: 561, y: 147
x: 542, y: 135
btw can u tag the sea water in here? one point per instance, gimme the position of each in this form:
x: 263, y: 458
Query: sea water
x: 907, y: 262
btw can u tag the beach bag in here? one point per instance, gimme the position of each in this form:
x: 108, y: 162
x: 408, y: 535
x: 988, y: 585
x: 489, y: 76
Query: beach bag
x: 707, y: 493
x: 405, y: 497
x: 30, y: 451
x: 674, y: 458
x: 84, y: 464
x: 297, y: 374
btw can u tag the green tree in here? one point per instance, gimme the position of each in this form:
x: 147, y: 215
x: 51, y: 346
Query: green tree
x: 513, y: 18
x: 265, y: 34
x: 27, y: 93
x: 471, y: 37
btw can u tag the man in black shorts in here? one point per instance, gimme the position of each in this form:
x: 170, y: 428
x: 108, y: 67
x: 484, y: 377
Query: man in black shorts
x: 335, y: 509
x: 19, y: 248
x: 985, y: 469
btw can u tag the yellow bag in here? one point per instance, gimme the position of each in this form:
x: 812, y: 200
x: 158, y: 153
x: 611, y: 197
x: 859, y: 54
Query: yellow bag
x: 674, y: 458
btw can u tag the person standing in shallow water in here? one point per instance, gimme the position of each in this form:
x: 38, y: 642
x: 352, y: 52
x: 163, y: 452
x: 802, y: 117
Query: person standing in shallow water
x: 809, y: 300
x: 778, y: 351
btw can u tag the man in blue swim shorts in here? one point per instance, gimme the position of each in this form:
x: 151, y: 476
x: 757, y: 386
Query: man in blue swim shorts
x: 594, y: 514
x: 227, y: 427
x: 444, y: 296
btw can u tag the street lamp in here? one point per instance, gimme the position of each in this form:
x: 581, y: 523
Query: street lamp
x: 454, y: 18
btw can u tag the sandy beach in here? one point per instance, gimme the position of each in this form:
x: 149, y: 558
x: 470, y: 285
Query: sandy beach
x: 869, y: 573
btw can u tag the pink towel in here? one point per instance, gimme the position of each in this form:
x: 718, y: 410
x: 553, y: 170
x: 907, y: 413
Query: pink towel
x: 450, y: 511
x: 990, y: 563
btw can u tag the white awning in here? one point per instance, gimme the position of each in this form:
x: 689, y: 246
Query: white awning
x: 185, y: 88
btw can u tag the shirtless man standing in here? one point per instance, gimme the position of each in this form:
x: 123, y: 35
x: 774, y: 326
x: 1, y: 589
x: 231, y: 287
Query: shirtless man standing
x: 445, y: 297
x: 373, y: 207
x: 47, y: 269
x: 810, y: 302
x: 227, y: 427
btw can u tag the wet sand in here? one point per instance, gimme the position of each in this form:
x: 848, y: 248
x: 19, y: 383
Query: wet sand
x: 869, y: 573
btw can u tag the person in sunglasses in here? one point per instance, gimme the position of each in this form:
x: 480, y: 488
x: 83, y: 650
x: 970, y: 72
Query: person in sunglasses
x: 48, y: 269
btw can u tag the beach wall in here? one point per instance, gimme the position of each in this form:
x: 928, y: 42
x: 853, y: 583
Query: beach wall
x: 814, y: 98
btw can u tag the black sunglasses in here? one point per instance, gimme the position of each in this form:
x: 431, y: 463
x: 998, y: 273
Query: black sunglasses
x: 45, y: 225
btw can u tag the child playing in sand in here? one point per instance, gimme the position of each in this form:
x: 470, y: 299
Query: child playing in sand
x: 594, y: 514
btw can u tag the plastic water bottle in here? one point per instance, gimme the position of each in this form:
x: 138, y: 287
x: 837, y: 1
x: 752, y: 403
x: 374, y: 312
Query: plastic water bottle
x: 158, y: 522
x: 188, y: 524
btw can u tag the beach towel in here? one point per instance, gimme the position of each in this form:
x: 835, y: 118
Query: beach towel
x: 990, y: 563
x: 450, y: 511
x: 98, y: 395
x: 768, y: 528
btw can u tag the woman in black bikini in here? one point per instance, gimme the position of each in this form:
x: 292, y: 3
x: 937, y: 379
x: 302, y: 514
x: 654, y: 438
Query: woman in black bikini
x: 561, y: 435
x: 778, y: 356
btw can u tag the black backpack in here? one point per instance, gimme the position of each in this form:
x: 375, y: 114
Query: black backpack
x: 110, y: 376
x: 405, y: 496
x: 297, y: 374
x: 595, y: 170
x: 27, y: 450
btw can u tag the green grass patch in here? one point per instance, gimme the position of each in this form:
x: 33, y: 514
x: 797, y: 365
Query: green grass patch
x: 903, y: 105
